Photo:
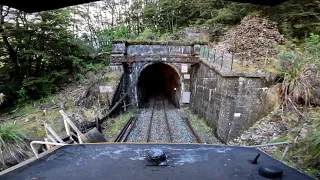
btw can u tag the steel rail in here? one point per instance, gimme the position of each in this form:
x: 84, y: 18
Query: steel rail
x: 150, y: 124
x: 123, y: 131
x: 167, y: 122
x: 192, y: 131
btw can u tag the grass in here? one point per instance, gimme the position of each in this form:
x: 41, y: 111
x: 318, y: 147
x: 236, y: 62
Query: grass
x: 200, y: 126
x: 10, y: 133
x: 12, y: 140
x: 304, y: 155
x: 289, y: 161
x: 29, y: 118
x: 113, y: 126
x: 238, y: 67
x: 311, y: 145
x: 111, y: 78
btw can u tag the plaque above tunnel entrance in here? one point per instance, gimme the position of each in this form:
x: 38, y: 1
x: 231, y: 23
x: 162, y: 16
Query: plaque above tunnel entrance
x: 171, y: 52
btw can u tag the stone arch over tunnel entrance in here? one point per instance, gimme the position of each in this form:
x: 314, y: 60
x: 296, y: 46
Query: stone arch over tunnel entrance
x: 159, y: 79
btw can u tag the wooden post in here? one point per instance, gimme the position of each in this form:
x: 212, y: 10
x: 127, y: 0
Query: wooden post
x: 98, y: 125
x: 124, y: 103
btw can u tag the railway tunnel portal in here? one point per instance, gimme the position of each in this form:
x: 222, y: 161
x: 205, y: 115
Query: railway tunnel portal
x: 151, y: 68
x: 229, y: 101
x: 159, y: 79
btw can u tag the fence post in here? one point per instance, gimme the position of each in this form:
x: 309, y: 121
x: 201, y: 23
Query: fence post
x: 232, y: 60
x: 201, y: 51
x: 222, y: 58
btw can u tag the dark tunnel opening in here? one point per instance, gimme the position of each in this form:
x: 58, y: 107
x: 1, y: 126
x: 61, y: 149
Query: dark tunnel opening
x: 159, y: 79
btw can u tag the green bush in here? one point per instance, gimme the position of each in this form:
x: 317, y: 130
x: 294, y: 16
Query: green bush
x: 148, y: 35
x: 12, y: 142
x: 312, y: 48
x: 231, y: 14
x: 296, y: 18
x: 107, y: 35
x: 121, y: 33
x: 166, y: 36
x: 22, y: 95
x: 295, y: 86
x: 216, y: 32
x: 225, y: 15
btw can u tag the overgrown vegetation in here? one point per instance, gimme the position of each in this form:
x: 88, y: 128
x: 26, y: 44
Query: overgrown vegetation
x: 114, y: 125
x: 206, y: 133
x: 38, y: 53
x: 311, y: 146
x: 12, y: 143
x: 296, y: 18
x: 298, y: 74
x: 303, y: 133
x: 298, y: 71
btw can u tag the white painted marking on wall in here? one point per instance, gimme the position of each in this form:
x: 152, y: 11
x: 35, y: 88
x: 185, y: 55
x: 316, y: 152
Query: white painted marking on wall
x: 105, y: 89
x: 237, y: 114
x: 241, y: 79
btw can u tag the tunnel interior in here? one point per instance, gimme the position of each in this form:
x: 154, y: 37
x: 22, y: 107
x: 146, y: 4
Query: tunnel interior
x: 159, y: 79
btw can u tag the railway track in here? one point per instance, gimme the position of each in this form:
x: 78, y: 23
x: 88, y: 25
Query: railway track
x: 150, y: 123
x: 122, y: 137
x: 159, y: 128
x: 162, y: 124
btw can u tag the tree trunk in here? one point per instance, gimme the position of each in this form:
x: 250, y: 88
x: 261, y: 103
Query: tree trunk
x: 12, y: 52
x: 38, y: 66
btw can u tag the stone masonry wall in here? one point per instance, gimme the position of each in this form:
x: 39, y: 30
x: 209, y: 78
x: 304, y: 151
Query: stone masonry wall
x: 124, y: 48
x: 230, y: 102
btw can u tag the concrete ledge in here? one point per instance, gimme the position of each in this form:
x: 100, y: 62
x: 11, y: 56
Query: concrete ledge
x: 227, y: 73
x: 173, y: 43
